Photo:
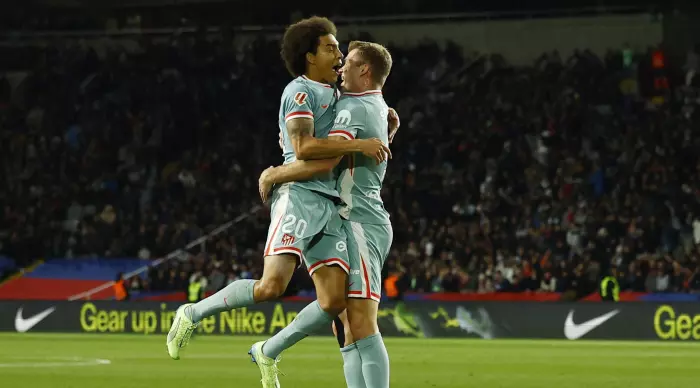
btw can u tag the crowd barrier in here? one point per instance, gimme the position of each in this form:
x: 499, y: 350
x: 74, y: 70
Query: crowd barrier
x: 487, y: 320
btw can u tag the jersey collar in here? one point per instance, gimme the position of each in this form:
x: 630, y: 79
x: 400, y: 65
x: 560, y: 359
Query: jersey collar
x: 316, y: 82
x: 366, y: 93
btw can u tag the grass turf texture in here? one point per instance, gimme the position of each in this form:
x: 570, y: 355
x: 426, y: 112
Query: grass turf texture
x: 66, y: 360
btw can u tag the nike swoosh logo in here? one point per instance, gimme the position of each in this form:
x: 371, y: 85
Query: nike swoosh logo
x: 324, y: 106
x: 23, y: 325
x: 574, y: 331
x: 350, y: 285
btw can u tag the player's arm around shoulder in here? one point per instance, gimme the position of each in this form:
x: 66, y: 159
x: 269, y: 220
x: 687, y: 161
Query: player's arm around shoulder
x: 300, y: 170
x: 394, y: 123
x: 350, y: 122
x: 304, y: 169
x: 307, y: 147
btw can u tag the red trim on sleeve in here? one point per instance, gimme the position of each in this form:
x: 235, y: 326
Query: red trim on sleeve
x: 296, y: 115
x: 340, y: 132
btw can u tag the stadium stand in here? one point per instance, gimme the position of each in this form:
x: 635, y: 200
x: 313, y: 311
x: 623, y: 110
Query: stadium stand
x: 7, y: 266
x: 62, y: 278
x: 505, y: 179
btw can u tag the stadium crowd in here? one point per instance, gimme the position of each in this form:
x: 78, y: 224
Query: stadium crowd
x: 509, y: 179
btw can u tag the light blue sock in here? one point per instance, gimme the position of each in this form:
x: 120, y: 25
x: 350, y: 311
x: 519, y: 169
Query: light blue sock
x: 375, y: 361
x: 309, y: 319
x: 352, y: 367
x: 235, y: 295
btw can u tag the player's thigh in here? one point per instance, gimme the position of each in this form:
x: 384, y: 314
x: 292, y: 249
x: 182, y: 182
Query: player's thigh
x: 362, y: 318
x: 329, y: 248
x: 368, y: 248
x: 296, y: 218
x: 327, y: 261
x: 331, y: 284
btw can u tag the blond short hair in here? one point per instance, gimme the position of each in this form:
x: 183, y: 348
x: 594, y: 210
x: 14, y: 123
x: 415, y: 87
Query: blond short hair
x: 376, y: 56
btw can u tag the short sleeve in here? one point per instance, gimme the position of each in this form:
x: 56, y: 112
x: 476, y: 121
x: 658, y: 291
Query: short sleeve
x: 349, y: 120
x: 297, y: 103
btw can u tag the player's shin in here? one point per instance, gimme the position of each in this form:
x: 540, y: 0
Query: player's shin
x: 362, y: 316
x: 187, y: 317
x: 352, y: 363
x: 235, y: 295
x: 375, y: 361
x: 277, y: 271
x: 330, y: 287
x: 310, y: 319
x: 352, y: 367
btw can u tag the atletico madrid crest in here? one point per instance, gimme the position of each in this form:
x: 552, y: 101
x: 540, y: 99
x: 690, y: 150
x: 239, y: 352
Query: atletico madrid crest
x: 287, y: 239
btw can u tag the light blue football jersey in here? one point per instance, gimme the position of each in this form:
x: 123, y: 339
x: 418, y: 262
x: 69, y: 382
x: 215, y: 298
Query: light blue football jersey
x: 362, y: 116
x: 310, y: 99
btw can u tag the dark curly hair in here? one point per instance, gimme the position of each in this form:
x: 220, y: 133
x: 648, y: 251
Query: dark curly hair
x: 303, y: 37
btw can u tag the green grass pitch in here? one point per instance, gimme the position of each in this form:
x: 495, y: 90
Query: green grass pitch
x: 130, y: 361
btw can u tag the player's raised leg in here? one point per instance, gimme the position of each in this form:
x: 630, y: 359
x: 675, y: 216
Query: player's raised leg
x: 282, y: 256
x: 328, y: 265
x: 277, y: 273
x: 330, y: 283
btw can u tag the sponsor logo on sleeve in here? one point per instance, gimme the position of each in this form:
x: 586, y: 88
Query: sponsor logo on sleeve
x: 300, y: 98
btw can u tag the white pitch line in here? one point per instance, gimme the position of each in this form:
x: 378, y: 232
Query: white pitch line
x: 76, y: 362
x: 225, y: 356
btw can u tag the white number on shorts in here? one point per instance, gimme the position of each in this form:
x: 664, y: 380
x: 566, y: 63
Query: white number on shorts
x: 289, y: 225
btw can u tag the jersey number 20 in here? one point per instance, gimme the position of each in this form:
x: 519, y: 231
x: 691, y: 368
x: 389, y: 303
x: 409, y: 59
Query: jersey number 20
x: 292, y: 225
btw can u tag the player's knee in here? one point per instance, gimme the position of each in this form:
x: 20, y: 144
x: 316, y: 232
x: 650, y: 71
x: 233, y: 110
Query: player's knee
x: 269, y: 289
x: 362, y: 327
x: 333, y: 304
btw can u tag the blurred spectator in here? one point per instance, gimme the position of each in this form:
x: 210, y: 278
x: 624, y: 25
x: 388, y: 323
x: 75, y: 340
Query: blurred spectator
x: 196, y: 287
x: 121, y: 291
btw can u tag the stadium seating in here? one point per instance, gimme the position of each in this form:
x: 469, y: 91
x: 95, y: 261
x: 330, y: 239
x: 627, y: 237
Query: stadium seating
x: 59, y: 279
x: 504, y: 178
x: 7, y: 265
